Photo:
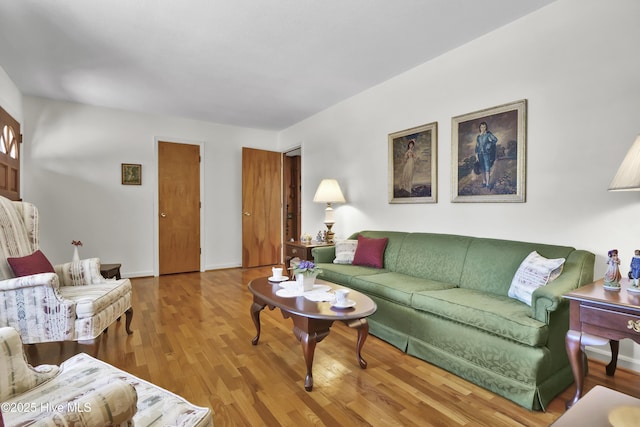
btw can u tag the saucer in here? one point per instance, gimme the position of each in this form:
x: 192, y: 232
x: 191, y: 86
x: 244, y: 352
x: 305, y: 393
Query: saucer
x: 347, y: 304
x: 633, y: 290
x: 275, y: 279
x: 611, y: 288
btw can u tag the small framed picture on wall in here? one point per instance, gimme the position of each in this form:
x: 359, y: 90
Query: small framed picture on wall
x: 131, y: 174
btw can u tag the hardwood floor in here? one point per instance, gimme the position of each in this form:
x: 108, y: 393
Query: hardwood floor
x: 192, y: 335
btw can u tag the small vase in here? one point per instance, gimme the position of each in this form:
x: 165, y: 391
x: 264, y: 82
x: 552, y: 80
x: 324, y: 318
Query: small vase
x: 305, y: 281
x: 76, y: 257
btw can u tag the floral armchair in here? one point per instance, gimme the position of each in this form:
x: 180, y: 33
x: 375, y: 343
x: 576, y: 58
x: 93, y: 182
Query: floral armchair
x: 68, y: 302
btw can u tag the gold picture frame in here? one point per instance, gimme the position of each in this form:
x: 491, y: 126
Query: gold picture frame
x: 131, y: 174
x: 413, y: 158
x: 488, y: 154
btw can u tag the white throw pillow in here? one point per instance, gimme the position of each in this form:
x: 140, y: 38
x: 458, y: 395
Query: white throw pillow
x: 535, y: 271
x: 345, y: 250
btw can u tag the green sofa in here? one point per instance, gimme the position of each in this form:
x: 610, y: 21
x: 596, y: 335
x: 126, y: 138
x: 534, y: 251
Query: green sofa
x: 443, y: 298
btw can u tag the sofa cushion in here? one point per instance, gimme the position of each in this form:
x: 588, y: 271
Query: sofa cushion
x: 491, y: 264
x: 438, y: 257
x: 31, y: 264
x: 345, y: 250
x: 370, y: 252
x: 499, y: 315
x: 395, y: 287
x: 535, y: 271
x: 342, y: 274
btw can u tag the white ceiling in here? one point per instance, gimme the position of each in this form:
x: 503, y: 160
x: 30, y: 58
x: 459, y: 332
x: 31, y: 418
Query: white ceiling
x: 254, y: 63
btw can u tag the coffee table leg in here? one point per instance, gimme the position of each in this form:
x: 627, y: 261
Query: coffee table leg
x: 308, y: 349
x: 362, y: 326
x: 256, y: 308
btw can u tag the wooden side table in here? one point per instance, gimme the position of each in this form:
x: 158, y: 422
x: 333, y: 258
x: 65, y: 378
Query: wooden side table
x: 301, y: 250
x: 110, y: 271
x: 598, y: 316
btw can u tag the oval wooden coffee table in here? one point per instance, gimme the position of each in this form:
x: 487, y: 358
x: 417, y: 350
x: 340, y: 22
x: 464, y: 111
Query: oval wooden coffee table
x: 312, y: 320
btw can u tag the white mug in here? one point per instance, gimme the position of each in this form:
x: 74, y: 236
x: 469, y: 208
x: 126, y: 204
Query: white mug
x: 277, y: 272
x: 341, y: 296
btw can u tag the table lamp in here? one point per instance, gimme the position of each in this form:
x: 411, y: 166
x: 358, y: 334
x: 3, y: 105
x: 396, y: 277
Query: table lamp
x: 628, y: 176
x: 329, y: 192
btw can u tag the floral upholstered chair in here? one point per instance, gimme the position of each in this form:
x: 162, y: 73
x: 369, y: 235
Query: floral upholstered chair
x: 68, y: 302
x: 84, y: 392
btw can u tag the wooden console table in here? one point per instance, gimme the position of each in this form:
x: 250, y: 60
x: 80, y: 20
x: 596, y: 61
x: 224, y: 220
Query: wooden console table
x: 598, y: 316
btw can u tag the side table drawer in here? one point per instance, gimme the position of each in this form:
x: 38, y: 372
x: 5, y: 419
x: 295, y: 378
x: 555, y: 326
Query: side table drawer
x: 294, y: 251
x: 609, y: 319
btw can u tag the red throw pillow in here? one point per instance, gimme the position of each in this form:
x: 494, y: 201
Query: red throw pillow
x: 370, y: 251
x: 30, y: 264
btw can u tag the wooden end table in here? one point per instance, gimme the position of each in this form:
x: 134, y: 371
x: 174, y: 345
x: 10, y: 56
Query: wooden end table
x: 598, y: 316
x: 110, y: 271
x: 301, y: 250
x: 312, y: 320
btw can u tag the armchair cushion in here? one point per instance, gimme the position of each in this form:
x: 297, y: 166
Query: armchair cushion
x: 31, y: 264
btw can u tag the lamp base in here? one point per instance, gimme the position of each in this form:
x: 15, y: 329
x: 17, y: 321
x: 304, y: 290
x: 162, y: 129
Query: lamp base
x: 330, y: 233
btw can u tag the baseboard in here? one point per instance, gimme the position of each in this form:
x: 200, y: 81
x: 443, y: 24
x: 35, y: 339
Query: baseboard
x: 221, y: 266
x: 604, y: 355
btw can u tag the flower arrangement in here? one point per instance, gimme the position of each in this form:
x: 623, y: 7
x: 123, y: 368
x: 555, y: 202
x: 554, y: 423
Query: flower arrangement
x: 306, y: 268
x: 76, y: 243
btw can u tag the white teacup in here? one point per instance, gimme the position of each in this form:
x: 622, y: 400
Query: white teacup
x: 276, y: 272
x: 341, y: 296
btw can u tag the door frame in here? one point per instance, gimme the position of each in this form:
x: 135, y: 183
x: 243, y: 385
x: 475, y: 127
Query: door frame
x: 156, y: 208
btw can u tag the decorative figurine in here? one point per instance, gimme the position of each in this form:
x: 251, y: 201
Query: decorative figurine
x: 635, y: 268
x: 612, y: 276
x: 319, y: 237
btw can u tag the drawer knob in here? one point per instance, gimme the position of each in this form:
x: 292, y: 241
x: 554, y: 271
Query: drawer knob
x: 635, y: 325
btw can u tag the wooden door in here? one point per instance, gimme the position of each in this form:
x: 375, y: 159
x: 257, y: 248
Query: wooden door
x: 261, y: 207
x: 178, y: 207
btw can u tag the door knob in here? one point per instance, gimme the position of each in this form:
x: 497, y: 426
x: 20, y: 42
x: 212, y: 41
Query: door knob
x: 163, y: 215
x: 246, y: 213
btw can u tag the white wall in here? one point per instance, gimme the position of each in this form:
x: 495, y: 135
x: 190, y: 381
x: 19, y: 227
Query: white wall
x: 72, y: 154
x: 576, y: 63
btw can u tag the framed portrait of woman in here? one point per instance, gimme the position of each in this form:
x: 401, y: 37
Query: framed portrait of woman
x: 488, y: 154
x: 413, y: 157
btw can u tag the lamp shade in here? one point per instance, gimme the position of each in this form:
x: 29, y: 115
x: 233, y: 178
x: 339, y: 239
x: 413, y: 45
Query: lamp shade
x: 628, y: 175
x: 329, y: 192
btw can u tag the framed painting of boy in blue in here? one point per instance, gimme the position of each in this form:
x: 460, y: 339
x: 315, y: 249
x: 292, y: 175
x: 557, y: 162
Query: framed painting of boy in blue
x: 488, y: 154
x: 412, y: 165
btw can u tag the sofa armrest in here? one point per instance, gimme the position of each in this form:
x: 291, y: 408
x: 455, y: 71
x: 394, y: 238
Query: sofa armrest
x: 34, y: 306
x: 578, y: 271
x: 108, y: 404
x: 324, y: 254
x: 85, y: 272
x: 35, y: 280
